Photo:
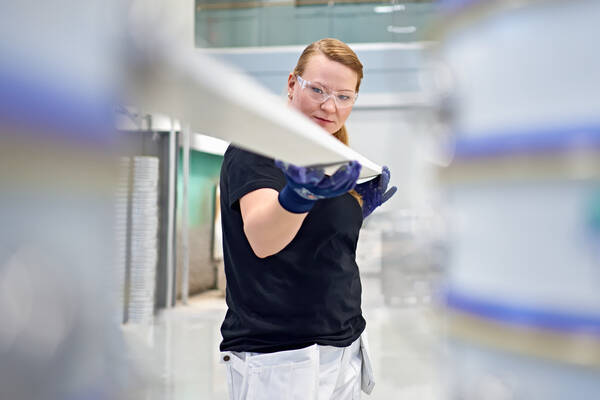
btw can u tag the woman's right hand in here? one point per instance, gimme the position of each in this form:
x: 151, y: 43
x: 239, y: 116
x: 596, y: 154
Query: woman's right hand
x: 272, y: 219
x: 307, y: 185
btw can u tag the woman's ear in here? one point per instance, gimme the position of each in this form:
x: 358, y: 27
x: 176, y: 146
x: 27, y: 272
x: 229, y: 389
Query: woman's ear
x: 290, y: 85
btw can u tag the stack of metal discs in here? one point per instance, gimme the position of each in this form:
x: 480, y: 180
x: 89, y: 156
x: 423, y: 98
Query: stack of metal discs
x: 120, y: 231
x: 144, y: 242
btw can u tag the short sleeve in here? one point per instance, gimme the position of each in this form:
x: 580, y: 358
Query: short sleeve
x: 246, y: 172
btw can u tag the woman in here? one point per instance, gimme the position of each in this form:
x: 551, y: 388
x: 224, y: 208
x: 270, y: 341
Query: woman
x: 294, y: 322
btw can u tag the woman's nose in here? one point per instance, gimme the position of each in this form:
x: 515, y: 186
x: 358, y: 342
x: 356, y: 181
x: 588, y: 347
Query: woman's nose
x: 329, y: 105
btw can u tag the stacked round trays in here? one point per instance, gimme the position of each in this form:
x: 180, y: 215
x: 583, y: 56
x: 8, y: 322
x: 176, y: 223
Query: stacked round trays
x: 522, y: 291
x: 144, y: 243
x: 121, y: 221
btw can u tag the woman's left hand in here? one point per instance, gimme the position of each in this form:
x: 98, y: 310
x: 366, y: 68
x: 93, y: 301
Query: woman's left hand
x: 375, y: 192
x: 307, y: 185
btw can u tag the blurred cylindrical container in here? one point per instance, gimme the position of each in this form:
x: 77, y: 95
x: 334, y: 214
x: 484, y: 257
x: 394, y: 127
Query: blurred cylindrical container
x: 489, y: 373
x: 522, y: 287
x: 523, y: 67
x: 58, y: 338
x: 58, y: 74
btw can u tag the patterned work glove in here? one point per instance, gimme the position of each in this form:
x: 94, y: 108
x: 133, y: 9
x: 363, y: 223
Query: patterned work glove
x: 307, y: 185
x: 374, y: 192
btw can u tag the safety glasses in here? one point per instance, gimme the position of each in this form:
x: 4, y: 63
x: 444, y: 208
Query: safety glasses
x: 320, y: 94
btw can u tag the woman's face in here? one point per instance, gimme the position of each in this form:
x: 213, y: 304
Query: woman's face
x: 333, y: 76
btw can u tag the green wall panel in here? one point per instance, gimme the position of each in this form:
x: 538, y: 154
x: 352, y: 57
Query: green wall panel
x: 204, y: 176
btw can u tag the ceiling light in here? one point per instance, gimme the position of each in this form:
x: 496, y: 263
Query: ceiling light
x: 401, y: 29
x: 389, y: 9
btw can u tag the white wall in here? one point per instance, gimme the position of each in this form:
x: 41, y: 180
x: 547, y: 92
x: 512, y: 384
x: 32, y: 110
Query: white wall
x: 402, y: 140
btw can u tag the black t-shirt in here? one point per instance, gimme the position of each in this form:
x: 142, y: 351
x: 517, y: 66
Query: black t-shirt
x: 307, y: 293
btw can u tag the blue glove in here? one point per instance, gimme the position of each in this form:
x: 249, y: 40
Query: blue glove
x: 374, y: 192
x: 307, y: 185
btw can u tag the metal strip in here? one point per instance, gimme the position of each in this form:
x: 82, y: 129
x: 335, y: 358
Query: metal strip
x: 184, y: 217
x: 171, y: 210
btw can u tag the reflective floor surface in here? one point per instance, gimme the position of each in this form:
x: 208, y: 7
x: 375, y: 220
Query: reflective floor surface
x: 179, y: 358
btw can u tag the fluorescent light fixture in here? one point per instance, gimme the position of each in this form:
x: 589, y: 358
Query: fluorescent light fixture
x: 401, y: 29
x: 389, y: 9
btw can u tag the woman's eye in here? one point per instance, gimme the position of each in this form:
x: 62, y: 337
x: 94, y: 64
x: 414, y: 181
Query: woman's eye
x: 317, y: 90
x: 343, y: 97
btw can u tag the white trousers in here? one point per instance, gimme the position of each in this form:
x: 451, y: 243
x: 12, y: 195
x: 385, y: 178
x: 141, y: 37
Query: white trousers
x: 312, y: 373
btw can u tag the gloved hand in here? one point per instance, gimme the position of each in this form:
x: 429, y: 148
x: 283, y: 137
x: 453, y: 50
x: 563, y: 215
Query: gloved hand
x: 307, y: 185
x: 374, y: 192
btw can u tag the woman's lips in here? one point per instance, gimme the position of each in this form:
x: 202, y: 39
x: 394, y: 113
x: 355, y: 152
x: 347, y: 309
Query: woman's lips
x: 322, y: 120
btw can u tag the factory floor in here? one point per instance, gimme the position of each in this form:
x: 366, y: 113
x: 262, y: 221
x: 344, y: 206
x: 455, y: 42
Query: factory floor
x: 178, y: 357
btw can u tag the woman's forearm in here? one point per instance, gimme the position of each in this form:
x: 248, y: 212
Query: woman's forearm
x: 267, y: 225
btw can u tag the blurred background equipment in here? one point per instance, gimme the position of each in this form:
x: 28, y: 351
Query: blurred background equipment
x: 521, y: 292
x: 147, y: 196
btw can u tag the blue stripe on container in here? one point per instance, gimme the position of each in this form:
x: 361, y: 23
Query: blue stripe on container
x: 46, y: 110
x: 523, y: 315
x: 549, y: 141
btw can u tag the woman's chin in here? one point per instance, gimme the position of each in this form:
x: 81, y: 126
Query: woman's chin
x: 330, y: 129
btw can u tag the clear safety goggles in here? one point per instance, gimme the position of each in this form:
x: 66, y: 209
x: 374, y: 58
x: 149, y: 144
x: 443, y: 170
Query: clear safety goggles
x: 320, y: 94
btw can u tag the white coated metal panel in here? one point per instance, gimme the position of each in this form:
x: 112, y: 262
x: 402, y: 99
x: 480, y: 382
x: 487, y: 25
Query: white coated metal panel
x: 220, y: 101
